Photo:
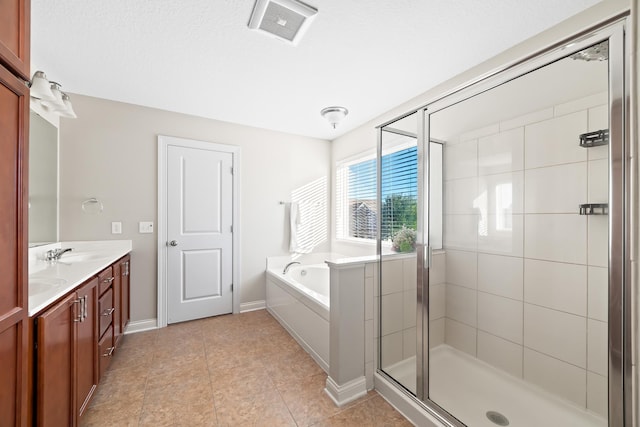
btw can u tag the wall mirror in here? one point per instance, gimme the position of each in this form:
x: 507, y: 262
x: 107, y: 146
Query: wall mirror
x: 43, y: 181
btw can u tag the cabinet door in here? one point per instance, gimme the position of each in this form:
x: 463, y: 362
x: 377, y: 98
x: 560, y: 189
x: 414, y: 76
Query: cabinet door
x: 56, y: 360
x: 87, y: 346
x: 14, y: 300
x: 117, y: 303
x: 126, y: 292
x: 15, y: 18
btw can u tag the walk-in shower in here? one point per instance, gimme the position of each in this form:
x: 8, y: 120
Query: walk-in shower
x: 510, y: 305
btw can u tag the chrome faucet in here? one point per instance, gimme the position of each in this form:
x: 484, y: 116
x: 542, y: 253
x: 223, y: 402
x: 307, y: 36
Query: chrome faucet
x: 55, y: 254
x: 286, y: 267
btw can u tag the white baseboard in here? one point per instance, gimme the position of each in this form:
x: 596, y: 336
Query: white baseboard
x: 252, y: 306
x: 141, y: 326
x: 348, y: 392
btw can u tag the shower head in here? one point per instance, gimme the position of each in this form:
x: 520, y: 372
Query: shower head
x: 597, y: 52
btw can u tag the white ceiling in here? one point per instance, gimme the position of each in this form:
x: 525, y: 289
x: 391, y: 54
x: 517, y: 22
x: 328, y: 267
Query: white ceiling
x: 198, y: 56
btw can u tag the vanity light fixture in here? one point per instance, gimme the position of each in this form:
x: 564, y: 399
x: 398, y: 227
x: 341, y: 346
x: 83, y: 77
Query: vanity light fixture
x: 40, y: 87
x: 50, y: 96
x: 334, y: 115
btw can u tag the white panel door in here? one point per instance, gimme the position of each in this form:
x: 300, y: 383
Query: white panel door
x: 199, y: 233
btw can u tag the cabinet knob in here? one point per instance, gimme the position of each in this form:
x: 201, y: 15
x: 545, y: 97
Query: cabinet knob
x: 108, y: 312
x: 109, y: 280
x: 173, y: 243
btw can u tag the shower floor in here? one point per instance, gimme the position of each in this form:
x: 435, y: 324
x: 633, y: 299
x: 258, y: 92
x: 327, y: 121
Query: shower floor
x: 469, y: 388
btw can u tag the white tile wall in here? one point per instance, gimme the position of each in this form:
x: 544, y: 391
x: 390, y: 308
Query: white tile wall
x: 461, y: 267
x: 598, y: 120
x: 556, y: 285
x: 479, y: 133
x: 581, y: 104
x: 501, y: 193
x: 501, y: 275
x: 501, y: 234
x: 556, y: 376
x: 597, y: 393
x: 501, y: 152
x: 554, y: 141
x: 410, y: 273
x: 436, y: 332
x: 392, y: 276
x: 598, y: 181
x: 556, y: 334
x: 461, y: 160
x: 556, y: 237
x: 461, y: 231
x: 460, y: 195
x: 409, y: 309
x: 598, y: 240
x: 555, y: 189
x: 461, y: 304
x: 598, y: 293
x: 438, y: 268
x: 391, y: 313
x: 500, y: 316
x: 437, y: 301
x: 527, y: 119
x: 597, y: 359
x: 500, y: 353
x: 391, y: 349
x: 460, y: 336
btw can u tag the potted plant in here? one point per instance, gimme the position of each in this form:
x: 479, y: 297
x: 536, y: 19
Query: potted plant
x: 404, y: 240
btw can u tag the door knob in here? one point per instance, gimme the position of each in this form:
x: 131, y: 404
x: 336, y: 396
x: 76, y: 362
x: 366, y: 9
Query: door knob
x: 173, y: 243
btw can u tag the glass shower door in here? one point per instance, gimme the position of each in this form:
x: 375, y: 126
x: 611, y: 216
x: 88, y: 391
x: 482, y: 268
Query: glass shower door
x: 518, y: 314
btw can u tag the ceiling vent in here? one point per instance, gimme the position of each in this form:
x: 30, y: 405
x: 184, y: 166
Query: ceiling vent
x: 284, y: 19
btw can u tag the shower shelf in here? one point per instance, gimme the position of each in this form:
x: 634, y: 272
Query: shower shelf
x: 594, y: 209
x: 594, y: 139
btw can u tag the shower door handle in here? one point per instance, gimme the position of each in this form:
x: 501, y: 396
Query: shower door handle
x: 427, y: 257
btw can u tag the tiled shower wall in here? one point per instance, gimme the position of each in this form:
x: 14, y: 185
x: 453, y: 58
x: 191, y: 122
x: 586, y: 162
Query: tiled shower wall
x: 526, y: 276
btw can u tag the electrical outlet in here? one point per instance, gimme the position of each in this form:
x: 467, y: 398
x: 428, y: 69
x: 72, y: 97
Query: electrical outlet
x: 116, y: 227
x: 145, y: 227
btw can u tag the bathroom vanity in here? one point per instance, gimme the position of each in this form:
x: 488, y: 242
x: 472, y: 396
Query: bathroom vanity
x: 79, y: 310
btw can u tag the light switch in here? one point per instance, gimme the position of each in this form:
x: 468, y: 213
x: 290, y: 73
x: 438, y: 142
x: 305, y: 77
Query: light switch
x: 116, y: 227
x: 145, y: 226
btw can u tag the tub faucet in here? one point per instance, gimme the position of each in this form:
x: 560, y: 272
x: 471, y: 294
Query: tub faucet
x: 55, y: 254
x: 286, y: 267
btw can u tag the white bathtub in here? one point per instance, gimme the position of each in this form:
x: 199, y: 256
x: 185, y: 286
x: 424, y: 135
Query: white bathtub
x: 299, y: 300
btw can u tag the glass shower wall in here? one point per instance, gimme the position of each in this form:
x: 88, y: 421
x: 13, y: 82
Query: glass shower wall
x: 398, y: 222
x: 524, y: 294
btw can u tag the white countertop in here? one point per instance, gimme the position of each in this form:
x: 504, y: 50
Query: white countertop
x: 51, y: 280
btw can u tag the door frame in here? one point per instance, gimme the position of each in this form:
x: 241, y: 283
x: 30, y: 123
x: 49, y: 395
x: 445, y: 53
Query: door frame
x: 164, y: 142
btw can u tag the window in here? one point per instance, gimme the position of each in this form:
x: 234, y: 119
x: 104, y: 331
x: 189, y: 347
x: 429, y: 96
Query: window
x: 357, y: 210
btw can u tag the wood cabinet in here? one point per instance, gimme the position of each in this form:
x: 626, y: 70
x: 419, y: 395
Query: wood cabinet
x: 67, y: 374
x: 15, y: 31
x: 87, y: 351
x: 75, y: 343
x: 14, y: 127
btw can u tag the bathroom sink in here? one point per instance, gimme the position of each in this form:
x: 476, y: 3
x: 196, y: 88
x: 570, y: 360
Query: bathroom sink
x: 44, y: 284
x: 72, y: 257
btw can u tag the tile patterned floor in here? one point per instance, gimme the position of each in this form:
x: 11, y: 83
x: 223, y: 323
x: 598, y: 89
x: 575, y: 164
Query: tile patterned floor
x: 234, y: 370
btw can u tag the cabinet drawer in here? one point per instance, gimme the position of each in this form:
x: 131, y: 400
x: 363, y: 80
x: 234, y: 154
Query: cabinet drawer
x: 105, y: 351
x: 106, y: 278
x: 105, y: 309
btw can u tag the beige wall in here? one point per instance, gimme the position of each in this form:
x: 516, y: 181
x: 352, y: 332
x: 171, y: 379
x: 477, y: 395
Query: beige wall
x: 110, y: 152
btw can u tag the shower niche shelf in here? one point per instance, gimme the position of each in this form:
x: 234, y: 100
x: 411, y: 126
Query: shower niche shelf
x: 594, y: 209
x: 594, y: 139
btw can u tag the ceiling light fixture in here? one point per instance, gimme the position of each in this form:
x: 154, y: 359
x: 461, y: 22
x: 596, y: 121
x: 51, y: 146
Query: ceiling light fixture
x: 334, y: 115
x: 49, y: 95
